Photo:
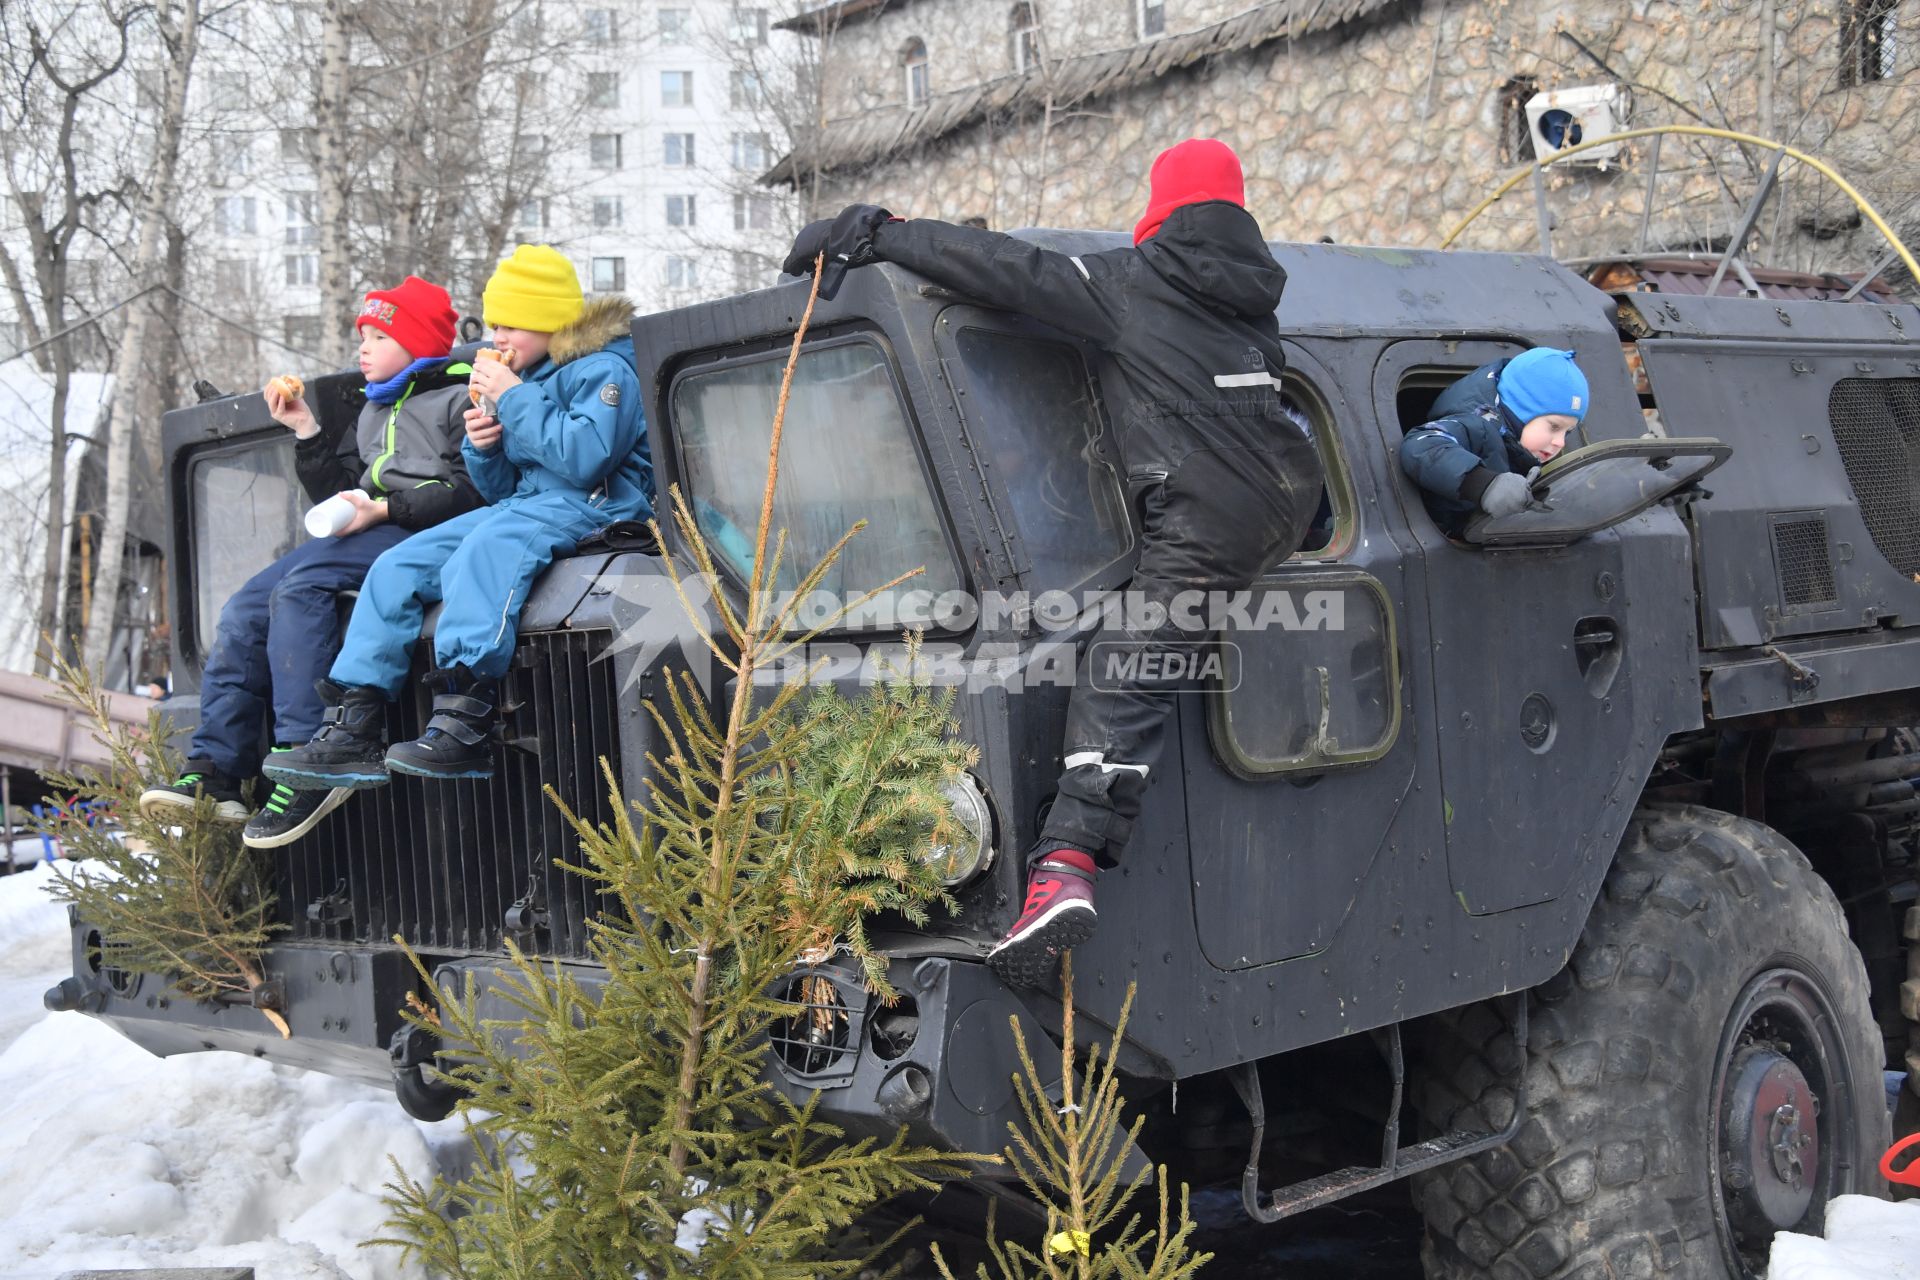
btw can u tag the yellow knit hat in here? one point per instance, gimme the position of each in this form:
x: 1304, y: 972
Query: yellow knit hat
x: 535, y: 288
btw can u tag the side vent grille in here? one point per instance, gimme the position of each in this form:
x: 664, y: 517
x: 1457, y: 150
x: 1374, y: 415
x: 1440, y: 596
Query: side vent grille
x: 1803, y: 562
x: 1876, y: 423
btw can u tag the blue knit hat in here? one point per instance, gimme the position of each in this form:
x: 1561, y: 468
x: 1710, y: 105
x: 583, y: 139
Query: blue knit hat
x: 1544, y: 380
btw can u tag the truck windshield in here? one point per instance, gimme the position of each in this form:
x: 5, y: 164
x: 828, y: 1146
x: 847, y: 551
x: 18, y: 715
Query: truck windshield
x: 846, y: 454
x: 246, y: 506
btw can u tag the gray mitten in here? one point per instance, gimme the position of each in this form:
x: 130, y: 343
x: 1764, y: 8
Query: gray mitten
x: 1505, y: 494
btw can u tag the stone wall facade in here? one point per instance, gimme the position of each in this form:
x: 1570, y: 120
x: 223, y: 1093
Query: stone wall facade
x: 1388, y: 130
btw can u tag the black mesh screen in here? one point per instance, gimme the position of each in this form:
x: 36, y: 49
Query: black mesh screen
x: 1876, y: 423
x: 1801, y: 559
x: 440, y: 863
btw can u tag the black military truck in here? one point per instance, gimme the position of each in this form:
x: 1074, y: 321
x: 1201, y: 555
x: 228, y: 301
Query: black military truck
x: 1567, y: 871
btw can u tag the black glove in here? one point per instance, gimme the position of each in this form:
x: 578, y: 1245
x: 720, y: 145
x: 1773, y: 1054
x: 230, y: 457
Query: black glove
x: 846, y: 239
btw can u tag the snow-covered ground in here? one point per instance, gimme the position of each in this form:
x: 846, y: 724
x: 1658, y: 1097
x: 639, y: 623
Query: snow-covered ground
x: 1866, y: 1240
x: 111, y: 1157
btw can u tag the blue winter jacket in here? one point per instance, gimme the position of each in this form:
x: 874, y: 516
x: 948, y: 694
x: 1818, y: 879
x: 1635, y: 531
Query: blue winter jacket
x: 1453, y: 459
x: 574, y: 451
x: 1478, y: 390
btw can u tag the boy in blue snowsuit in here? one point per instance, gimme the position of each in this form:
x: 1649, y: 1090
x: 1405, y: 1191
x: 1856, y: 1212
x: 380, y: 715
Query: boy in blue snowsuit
x: 400, y: 465
x: 1490, y: 430
x: 562, y: 453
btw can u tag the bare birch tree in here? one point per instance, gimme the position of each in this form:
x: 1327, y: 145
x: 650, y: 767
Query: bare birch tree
x: 178, y: 27
x: 59, y: 63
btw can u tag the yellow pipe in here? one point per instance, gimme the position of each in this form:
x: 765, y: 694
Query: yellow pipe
x: 1867, y: 211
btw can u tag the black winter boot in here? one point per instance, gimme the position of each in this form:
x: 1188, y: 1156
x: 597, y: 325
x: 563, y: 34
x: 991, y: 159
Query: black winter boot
x: 348, y: 749
x: 458, y: 742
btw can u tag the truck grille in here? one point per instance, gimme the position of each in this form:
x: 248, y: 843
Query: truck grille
x: 1876, y: 423
x: 441, y: 863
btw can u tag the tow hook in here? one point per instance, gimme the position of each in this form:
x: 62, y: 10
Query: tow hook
x: 1801, y: 680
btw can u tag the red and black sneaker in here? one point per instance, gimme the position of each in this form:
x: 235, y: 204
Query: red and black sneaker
x: 1058, y: 916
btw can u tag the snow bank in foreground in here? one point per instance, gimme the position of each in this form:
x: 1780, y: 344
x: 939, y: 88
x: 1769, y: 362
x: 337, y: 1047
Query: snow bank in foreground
x: 1866, y: 1240
x: 111, y: 1157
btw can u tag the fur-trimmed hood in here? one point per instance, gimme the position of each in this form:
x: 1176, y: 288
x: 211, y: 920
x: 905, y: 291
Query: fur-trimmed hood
x: 605, y: 318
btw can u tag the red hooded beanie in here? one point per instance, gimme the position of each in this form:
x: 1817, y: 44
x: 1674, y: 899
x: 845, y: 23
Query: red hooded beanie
x: 1190, y: 172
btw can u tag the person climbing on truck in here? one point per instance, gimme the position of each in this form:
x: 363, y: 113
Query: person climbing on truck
x: 400, y: 467
x: 559, y: 447
x: 1490, y: 431
x: 1224, y: 480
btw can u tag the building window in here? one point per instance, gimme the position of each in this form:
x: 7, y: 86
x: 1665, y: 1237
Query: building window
x: 609, y: 275
x: 752, y: 270
x: 532, y: 215
x: 1024, y: 36
x: 303, y: 268
x: 298, y: 145
x: 1516, y: 135
x: 234, y: 215
x: 303, y: 332
x: 746, y: 91
x: 603, y: 26
x: 913, y: 59
x: 1868, y: 41
x: 676, y: 26
x: 530, y: 146
x: 607, y: 212
x: 682, y: 273
x: 232, y: 278
x: 676, y: 88
x: 678, y: 151
x: 603, y: 89
x: 300, y: 220
x: 603, y: 150
x: 750, y: 151
x: 1153, y: 18
x: 748, y: 26
x: 680, y: 211
x: 752, y: 212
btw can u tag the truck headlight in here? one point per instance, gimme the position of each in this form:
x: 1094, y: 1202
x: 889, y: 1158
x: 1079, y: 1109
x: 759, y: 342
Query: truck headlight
x: 969, y: 849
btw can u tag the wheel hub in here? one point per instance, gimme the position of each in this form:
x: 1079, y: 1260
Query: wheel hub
x: 1771, y: 1161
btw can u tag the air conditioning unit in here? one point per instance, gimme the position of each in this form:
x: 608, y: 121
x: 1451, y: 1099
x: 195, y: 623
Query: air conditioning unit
x: 1563, y: 118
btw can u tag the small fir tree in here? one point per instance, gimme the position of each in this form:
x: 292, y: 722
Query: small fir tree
x: 630, y: 1131
x: 183, y: 899
x: 1070, y: 1157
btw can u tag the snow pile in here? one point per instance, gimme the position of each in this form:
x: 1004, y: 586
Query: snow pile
x: 111, y: 1157
x: 1866, y: 1240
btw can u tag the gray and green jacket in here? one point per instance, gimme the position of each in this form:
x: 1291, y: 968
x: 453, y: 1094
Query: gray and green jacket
x: 407, y: 453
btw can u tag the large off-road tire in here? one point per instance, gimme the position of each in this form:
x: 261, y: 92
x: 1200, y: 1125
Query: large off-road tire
x: 1669, y: 1070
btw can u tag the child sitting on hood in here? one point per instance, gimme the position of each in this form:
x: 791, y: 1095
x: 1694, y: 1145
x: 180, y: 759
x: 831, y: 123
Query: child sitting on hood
x: 566, y: 455
x: 278, y: 632
x: 1490, y: 430
x: 1225, y: 481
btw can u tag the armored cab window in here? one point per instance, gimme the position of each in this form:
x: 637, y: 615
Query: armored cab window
x: 1334, y: 515
x: 1031, y: 411
x: 847, y: 454
x: 245, y: 507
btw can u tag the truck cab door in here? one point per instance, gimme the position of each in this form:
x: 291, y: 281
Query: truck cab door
x: 1540, y: 700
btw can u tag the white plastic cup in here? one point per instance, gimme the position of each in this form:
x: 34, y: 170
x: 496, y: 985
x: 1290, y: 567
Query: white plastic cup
x: 331, y: 516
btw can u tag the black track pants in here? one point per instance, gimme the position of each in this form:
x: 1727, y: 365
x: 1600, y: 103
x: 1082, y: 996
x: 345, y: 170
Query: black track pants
x: 1215, y: 523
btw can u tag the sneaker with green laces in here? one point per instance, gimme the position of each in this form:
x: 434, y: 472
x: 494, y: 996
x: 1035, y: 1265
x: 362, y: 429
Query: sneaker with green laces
x: 175, y: 801
x: 288, y: 814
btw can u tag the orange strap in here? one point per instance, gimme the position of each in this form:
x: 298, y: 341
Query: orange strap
x: 1910, y: 1176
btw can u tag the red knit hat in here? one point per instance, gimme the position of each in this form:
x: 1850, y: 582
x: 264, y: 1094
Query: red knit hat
x: 417, y: 315
x: 1190, y: 172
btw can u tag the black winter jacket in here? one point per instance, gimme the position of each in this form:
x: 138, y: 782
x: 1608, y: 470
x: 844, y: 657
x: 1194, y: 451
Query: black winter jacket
x: 1478, y: 390
x: 1188, y: 316
x: 333, y: 460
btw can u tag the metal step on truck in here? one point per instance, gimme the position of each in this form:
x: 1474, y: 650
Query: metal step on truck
x: 1566, y: 871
